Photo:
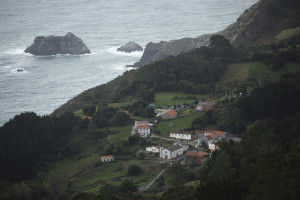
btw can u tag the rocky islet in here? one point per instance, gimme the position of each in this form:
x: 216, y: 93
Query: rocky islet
x: 52, y: 45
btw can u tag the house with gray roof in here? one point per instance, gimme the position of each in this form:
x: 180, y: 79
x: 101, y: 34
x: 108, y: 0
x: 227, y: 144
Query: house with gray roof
x: 185, y: 146
x: 171, y: 152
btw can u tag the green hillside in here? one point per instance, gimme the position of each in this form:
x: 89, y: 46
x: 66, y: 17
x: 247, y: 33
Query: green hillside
x: 256, y: 90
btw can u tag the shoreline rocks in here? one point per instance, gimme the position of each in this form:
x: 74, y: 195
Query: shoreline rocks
x: 52, y: 45
x: 130, y: 47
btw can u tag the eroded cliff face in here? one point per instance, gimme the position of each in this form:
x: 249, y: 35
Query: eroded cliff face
x: 158, y: 51
x: 256, y: 21
x: 251, y: 26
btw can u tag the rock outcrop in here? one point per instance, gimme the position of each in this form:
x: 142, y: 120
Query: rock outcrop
x: 52, y: 45
x: 157, y: 51
x: 130, y: 47
x: 250, y: 27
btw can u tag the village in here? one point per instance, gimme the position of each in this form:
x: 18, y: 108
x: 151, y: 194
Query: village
x: 188, y: 147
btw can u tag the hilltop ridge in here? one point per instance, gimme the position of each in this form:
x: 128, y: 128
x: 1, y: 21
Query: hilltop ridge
x: 252, y: 27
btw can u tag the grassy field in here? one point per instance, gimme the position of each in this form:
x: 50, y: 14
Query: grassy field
x: 243, y: 71
x: 123, y: 134
x: 102, y: 174
x: 287, y: 33
x: 178, y: 124
x: 256, y: 70
x: 144, y: 179
x: 137, y: 180
x: 79, y: 113
x: 167, y: 98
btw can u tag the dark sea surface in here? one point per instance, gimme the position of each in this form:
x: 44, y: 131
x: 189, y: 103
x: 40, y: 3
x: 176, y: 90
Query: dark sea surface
x: 47, y: 82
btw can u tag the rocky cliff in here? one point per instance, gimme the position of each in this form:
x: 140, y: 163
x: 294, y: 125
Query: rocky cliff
x: 52, y: 45
x: 157, y: 51
x: 254, y: 23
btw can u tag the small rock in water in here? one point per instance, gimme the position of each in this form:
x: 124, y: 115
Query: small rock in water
x: 130, y: 47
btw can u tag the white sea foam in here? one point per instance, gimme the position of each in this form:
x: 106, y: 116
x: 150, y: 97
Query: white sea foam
x: 16, y: 51
x: 113, y: 50
x: 17, y: 71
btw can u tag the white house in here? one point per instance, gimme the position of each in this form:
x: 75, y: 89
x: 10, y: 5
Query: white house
x: 154, y: 149
x: 171, y: 152
x: 205, y: 139
x: 182, y: 144
x: 183, y: 135
x: 143, y: 130
x: 213, y: 146
x: 109, y: 158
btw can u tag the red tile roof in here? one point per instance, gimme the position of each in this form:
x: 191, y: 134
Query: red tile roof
x: 212, y: 135
x: 143, y: 126
x: 207, y: 104
x: 201, y: 153
x: 216, y: 132
x: 86, y: 117
x: 106, y: 157
x: 196, y: 153
x: 172, y: 113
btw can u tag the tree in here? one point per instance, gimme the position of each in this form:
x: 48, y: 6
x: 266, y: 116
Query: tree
x: 142, y: 156
x: 148, y: 112
x: 176, y: 175
x: 22, y: 191
x: 86, y: 196
x: 134, y: 170
x: 219, y: 41
x: 147, y: 95
x: 196, y: 102
x: 120, y: 119
x: 89, y: 110
x: 134, y: 139
x: 135, y: 106
x: 127, y: 188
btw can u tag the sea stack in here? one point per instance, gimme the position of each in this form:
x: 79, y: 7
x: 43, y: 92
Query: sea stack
x: 130, y: 47
x: 52, y: 45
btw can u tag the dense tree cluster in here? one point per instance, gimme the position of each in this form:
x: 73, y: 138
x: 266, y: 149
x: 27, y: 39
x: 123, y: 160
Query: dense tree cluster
x: 28, y: 139
x: 275, y: 100
x: 109, y: 116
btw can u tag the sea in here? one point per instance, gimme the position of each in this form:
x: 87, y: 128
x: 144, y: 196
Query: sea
x: 43, y: 83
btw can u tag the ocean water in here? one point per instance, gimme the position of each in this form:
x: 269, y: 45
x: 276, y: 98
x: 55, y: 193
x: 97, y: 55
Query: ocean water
x: 47, y: 82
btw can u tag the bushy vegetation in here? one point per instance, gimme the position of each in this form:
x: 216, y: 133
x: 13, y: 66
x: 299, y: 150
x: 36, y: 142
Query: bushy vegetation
x: 275, y: 100
x: 263, y: 166
x: 28, y: 139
